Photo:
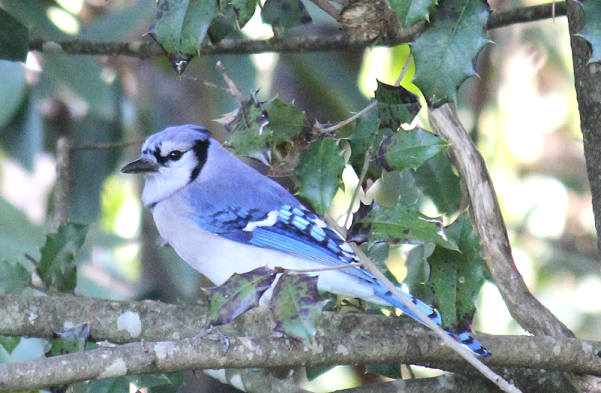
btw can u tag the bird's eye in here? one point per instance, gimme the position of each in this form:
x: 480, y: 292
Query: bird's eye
x: 175, y: 155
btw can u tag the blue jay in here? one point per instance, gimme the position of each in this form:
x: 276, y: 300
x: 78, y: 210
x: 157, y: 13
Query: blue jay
x: 223, y: 217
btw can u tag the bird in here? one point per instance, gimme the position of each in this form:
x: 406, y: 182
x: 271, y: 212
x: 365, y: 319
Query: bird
x: 223, y: 217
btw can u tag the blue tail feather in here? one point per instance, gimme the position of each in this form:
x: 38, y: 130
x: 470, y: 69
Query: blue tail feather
x: 464, y: 338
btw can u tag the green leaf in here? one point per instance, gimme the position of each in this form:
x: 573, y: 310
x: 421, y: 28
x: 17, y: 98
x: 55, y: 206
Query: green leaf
x: 247, y: 131
x: 411, y: 12
x: 149, y: 381
x: 285, y: 13
x: 457, y: 276
x: 297, y: 306
x: 245, y: 9
x: 591, y: 30
x: 13, y: 278
x: 255, y: 126
x: 285, y: 121
x: 70, y: 341
x: 403, y: 223
x: 409, y: 149
x: 367, y: 134
x: 238, y: 294
x: 389, y: 370
x: 57, y: 267
x: 436, y: 179
x: 396, y: 105
x: 180, y: 27
x: 319, y: 172
x: 445, y: 51
x: 222, y: 26
x: 9, y: 343
x: 14, y: 38
x: 13, y: 86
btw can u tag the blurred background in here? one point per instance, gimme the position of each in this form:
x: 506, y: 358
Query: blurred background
x: 521, y: 110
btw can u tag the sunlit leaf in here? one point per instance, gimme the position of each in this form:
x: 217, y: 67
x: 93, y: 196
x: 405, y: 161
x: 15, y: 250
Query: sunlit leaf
x: 238, y: 294
x: 14, y: 38
x: 396, y: 105
x: 445, y: 51
x: 297, y: 306
x: 409, y: 149
x: 319, y: 172
x: 57, y: 267
x: 403, y: 223
x: 591, y: 30
x: 285, y: 13
x: 180, y: 27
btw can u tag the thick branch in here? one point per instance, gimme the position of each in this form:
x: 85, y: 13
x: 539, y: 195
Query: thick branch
x: 342, y: 339
x: 487, y: 218
x: 149, y: 49
x: 587, y: 78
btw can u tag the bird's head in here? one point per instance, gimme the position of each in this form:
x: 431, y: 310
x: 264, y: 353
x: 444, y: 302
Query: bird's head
x: 171, y: 159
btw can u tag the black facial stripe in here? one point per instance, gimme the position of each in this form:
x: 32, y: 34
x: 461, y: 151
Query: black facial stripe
x: 201, y: 149
x: 160, y: 159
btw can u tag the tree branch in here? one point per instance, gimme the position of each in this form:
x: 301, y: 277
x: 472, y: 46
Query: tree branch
x: 343, y: 338
x: 147, y: 49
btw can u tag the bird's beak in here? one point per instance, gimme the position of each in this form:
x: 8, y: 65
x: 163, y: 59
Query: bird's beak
x: 141, y: 165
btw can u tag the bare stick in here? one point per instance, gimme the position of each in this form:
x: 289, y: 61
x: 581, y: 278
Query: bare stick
x: 448, y: 340
x: 321, y: 269
x: 232, y: 88
x: 347, y: 121
x: 328, y: 8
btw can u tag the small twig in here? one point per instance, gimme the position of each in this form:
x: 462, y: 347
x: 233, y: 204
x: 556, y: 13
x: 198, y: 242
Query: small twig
x: 321, y: 269
x: 328, y: 8
x: 448, y: 340
x: 404, y: 70
x: 361, y: 180
x: 31, y: 259
x: 232, y: 88
x: 347, y: 121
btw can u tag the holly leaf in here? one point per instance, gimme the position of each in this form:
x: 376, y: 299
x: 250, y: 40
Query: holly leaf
x: 283, y: 14
x: 319, y: 172
x: 409, y: 149
x: 180, y: 27
x: 396, y: 105
x: 285, y: 121
x: 297, y: 306
x: 70, y: 341
x: 57, y: 267
x: 436, y: 179
x: 445, y: 51
x: 456, y: 276
x: 591, y: 31
x: 368, y: 134
x: 239, y: 293
x: 14, y: 38
x: 402, y: 224
x: 256, y: 126
x: 14, y: 278
x: 409, y: 13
